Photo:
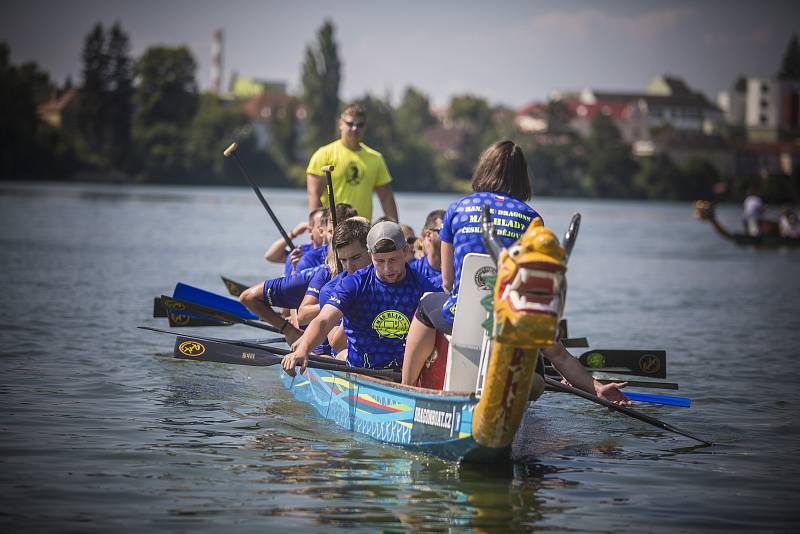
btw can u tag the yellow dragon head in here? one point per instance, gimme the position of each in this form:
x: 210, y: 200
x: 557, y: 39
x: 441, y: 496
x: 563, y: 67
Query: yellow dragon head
x: 531, y: 288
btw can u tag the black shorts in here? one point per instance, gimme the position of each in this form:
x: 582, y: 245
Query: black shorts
x: 429, y: 312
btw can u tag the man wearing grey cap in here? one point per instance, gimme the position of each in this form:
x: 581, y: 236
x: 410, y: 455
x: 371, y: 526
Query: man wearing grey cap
x: 376, y: 302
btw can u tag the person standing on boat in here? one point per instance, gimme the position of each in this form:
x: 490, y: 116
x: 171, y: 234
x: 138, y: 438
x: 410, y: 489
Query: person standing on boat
x: 278, y: 252
x: 430, y: 264
x: 376, y: 304
x: 358, y: 170
x: 500, y: 181
x: 753, y: 212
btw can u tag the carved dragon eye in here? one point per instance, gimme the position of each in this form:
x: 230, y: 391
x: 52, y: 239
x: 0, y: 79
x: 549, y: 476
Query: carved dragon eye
x: 514, y: 251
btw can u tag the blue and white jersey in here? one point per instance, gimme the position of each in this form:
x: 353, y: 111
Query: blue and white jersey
x: 305, y: 248
x: 312, y: 258
x: 377, y: 315
x: 461, y: 227
x: 288, y: 291
x: 423, y: 266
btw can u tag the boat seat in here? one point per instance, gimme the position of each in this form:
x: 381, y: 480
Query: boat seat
x: 467, y: 340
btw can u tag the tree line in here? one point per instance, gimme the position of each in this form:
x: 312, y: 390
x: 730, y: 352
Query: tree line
x: 145, y: 120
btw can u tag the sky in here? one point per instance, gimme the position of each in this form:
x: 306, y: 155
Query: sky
x: 510, y: 52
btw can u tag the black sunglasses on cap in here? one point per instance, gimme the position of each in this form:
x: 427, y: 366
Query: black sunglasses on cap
x: 357, y: 125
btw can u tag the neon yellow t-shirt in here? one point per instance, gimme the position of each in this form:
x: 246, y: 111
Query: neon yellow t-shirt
x: 355, y: 174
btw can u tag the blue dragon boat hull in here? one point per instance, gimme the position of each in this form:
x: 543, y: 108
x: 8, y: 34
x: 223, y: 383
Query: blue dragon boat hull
x: 429, y: 421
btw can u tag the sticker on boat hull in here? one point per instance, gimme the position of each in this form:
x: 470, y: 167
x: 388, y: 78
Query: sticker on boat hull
x: 435, y: 420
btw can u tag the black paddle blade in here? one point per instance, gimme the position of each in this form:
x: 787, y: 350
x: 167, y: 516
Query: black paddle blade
x: 214, y: 314
x: 179, y: 320
x: 234, y: 288
x: 188, y: 348
x: 158, y: 308
x: 652, y: 363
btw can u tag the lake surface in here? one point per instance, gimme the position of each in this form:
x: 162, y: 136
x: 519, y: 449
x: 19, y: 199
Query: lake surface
x: 100, y: 428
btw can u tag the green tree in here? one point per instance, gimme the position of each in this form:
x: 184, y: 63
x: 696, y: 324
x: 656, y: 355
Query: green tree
x: 790, y: 65
x: 94, y: 90
x: 166, y: 102
x: 321, y: 76
x: 284, y: 133
x: 558, y: 117
x: 29, y: 148
x: 413, y: 115
x: 120, y: 97
x: 381, y: 133
x: 167, y: 88
x: 610, y: 166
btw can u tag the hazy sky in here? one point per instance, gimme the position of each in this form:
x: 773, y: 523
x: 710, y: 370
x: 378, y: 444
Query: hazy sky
x: 510, y: 52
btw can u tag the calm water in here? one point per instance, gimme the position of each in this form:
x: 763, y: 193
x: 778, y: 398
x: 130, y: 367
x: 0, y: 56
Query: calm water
x: 101, y: 428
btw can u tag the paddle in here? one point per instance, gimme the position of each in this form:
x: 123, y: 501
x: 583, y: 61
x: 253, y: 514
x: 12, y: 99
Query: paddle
x: 666, y: 400
x: 327, y: 169
x: 247, y: 344
x: 212, y: 300
x: 555, y: 384
x: 575, y: 342
x: 213, y: 313
x: 652, y: 363
x: 234, y: 288
x: 224, y: 351
x: 231, y: 151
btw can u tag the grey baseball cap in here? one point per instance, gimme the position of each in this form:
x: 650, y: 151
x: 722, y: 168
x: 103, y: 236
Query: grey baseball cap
x: 386, y: 230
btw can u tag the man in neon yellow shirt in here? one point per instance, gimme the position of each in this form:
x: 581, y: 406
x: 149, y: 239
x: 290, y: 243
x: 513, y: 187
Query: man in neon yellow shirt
x: 358, y: 170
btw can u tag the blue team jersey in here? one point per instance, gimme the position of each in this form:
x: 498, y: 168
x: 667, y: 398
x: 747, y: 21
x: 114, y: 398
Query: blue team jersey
x: 314, y: 257
x: 321, y: 277
x: 377, y: 315
x: 461, y: 227
x: 423, y: 266
x: 305, y: 248
x: 288, y: 291
x: 326, y: 290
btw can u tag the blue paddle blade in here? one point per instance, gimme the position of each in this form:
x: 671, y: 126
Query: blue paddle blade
x: 211, y: 300
x: 668, y: 400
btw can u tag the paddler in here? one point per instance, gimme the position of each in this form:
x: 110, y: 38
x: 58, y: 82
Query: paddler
x: 500, y: 181
x: 430, y: 264
x: 317, y: 256
x: 376, y: 304
x: 316, y: 227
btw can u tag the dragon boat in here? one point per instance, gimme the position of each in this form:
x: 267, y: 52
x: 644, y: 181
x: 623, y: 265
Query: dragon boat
x: 474, y: 390
x: 704, y: 211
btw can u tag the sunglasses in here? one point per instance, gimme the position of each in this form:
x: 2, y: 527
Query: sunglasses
x: 355, y: 125
x: 411, y: 240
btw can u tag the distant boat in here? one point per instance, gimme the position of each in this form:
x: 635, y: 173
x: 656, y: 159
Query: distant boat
x: 704, y: 211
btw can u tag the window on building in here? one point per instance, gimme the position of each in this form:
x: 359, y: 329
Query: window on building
x: 763, y: 119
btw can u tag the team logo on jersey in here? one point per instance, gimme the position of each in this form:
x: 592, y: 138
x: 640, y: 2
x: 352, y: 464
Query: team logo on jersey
x: 352, y: 175
x: 391, y: 324
x: 192, y: 348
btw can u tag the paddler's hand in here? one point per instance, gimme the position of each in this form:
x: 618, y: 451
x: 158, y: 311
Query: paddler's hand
x: 295, y: 359
x: 299, y: 229
x: 295, y: 256
x: 612, y: 392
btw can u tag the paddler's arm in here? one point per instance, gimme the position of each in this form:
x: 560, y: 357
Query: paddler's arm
x: 311, y: 338
x: 386, y: 197
x: 308, y: 310
x: 315, y: 187
x: 253, y: 300
x: 276, y: 253
x: 448, y: 266
x: 571, y: 369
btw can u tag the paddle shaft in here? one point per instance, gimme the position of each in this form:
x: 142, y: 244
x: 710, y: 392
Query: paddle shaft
x: 327, y: 169
x: 231, y: 151
x: 184, y: 306
x: 621, y: 409
x: 199, y: 348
